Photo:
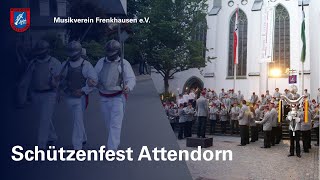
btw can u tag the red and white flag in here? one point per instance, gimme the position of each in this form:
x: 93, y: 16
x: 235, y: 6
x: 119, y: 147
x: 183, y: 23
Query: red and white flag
x: 236, y: 39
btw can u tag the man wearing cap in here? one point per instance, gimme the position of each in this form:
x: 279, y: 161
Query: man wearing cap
x: 306, y: 127
x: 213, y: 113
x: 254, y: 98
x: 244, y: 119
x: 79, y: 78
x: 267, y: 127
x: 233, y: 97
x: 306, y: 93
x: 274, y: 117
x: 294, y: 131
x: 221, y: 95
x: 234, y: 113
x: 240, y: 97
x: 264, y: 100
x: 180, y: 99
x: 268, y: 96
x: 276, y: 94
x: 202, y: 110
x: 223, y: 118
x: 44, y: 71
x: 116, y: 79
x: 186, y: 98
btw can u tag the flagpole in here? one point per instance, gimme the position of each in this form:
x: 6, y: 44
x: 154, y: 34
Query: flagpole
x: 236, y: 55
x: 302, y: 80
x: 303, y: 52
x: 234, y: 76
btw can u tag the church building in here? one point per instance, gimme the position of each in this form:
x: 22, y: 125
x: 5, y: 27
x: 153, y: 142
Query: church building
x: 269, y: 48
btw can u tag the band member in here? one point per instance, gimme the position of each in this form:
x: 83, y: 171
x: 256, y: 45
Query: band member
x: 240, y: 97
x: 186, y: 97
x: 233, y: 97
x: 254, y: 98
x: 234, y: 113
x: 189, y: 114
x: 258, y: 115
x: 213, y: 113
x: 244, y: 117
x: 221, y: 95
x: 274, y: 117
x: 267, y: 127
x: 192, y: 96
x: 172, y: 115
x: 202, y: 113
x: 294, y: 132
x: 264, y: 100
x: 79, y: 78
x: 116, y: 80
x: 268, y: 96
x: 227, y: 102
x: 180, y: 99
x: 316, y: 123
x: 182, y: 120
x: 306, y: 131
x: 276, y: 94
x: 253, y: 125
x: 306, y: 93
x: 43, y: 71
x: 223, y: 118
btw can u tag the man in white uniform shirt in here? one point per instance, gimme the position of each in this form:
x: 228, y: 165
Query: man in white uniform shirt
x: 186, y: 97
x: 44, y: 71
x: 115, y: 81
x: 79, y: 78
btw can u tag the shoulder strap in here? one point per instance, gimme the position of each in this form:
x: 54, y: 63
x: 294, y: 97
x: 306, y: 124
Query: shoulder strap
x: 64, y: 67
x: 82, y: 63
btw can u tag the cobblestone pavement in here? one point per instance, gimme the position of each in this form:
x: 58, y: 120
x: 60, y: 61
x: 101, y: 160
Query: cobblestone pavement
x: 253, y: 162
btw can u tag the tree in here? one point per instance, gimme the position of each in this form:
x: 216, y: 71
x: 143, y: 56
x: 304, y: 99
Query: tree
x: 85, y: 9
x: 166, y: 42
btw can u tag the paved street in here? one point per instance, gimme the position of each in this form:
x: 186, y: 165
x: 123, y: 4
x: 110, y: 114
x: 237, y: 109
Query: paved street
x: 252, y: 162
x: 144, y: 125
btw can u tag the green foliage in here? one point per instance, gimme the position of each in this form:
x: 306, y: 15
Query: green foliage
x: 57, y: 48
x: 95, y: 51
x: 168, y: 97
x: 85, y: 9
x: 166, y: 42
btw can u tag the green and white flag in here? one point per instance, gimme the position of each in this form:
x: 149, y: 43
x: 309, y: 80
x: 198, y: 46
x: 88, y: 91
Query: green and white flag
x: 303, y: 37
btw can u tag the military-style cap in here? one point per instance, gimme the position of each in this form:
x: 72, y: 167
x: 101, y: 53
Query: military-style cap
x: 41, y: 47
x: 112, y: 47
x: 74, y: 48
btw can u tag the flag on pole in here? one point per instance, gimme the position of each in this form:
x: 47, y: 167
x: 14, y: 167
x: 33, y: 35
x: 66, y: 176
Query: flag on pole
x: 303, y: 36
x: 236, y: 39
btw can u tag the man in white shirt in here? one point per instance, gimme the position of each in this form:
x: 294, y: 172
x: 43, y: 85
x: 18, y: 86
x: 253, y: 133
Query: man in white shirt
x: 186, y: 97
x: 44, y: 71
x: 115, y: 81
x: 276, y: 94
x: 79, y: 80
x: 180, y: 100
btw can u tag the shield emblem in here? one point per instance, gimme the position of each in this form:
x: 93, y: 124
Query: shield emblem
x: 20, y: 19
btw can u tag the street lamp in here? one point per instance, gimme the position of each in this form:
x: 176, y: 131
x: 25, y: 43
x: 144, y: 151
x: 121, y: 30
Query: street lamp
x: 275, y: 73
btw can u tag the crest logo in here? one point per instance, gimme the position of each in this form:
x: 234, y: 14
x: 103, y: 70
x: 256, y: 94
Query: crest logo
x: 20, y: 19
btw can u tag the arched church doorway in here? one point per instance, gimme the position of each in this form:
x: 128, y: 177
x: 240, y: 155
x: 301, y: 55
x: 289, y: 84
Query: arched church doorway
x: 193, y: 83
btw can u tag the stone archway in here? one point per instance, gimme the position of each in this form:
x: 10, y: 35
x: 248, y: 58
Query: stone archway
x: 193, y: 83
